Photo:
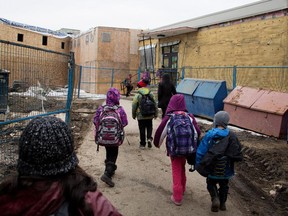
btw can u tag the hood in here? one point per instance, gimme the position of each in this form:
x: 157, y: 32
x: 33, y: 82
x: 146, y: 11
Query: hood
x: 144, y: 90
x: 218, y: 132
x: 112, y: 97
x: 177, y: 103
x: 141, y: 84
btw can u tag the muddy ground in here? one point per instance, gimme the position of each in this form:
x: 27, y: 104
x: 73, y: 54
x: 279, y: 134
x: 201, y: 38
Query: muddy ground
x: 262, y: 178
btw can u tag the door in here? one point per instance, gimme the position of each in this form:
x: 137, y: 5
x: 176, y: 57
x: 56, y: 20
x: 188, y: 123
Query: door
x: 170, y: 60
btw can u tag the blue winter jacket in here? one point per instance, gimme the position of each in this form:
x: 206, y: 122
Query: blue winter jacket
x: 205, y: 145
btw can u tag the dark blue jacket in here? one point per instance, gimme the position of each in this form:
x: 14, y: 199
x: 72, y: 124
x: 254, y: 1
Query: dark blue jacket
x: 220, y: 156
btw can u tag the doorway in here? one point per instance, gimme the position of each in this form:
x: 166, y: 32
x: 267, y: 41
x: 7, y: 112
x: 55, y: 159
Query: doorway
x: 170, y: 60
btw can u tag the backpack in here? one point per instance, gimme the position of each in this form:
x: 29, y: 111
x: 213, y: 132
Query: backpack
x: 110, y: 130
x: 182, y: 135
x: 147, y: 105
x: 221, y: 153
x: 126, y: 82
x: 214, y: 160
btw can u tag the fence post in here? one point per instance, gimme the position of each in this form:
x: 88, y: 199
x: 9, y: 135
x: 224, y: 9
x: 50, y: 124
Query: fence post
x: 183, y: 73
x: 234, y: 76
x: 139, y: 74
x: 112, y: 79
x: 71, y: 69
x: 79, y: 82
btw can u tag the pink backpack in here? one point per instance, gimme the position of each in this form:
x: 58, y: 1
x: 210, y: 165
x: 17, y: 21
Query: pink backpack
x: 110, y: 130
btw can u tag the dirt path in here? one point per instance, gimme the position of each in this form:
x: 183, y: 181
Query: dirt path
x: 143, y: 178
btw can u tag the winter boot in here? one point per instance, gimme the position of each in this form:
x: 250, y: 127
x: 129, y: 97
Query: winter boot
x: 114, y: 169
x: 223, y: 192
x: 149, y: 141
x: 108, y: 180
x: 215, y: 199
x: 109, y: 172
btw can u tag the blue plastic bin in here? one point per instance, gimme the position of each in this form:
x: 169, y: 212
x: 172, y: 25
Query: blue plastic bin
x: 203, y: 97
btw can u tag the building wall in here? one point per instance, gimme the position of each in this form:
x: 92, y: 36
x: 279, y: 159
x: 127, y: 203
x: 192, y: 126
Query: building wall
x: 32, y: 65
x: 256, y: 41
x: 108, y: 50
x: 31, y: 38
x: 252, y: 43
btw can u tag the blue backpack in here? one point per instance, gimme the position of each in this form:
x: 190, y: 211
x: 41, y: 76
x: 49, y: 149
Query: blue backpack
x: 181, y: 134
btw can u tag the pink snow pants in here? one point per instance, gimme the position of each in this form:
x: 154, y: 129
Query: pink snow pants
x: 179, y: 177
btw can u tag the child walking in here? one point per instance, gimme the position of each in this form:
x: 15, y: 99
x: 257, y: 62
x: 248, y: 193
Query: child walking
x: 112, y: 103
x: 144, y: 111
x: 128, y: 85
x: 223, y: 143
x: 176, y: 105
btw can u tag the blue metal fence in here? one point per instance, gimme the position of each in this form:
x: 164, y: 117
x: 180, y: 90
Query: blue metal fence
x: 266, y: 77
x: 96, y: 80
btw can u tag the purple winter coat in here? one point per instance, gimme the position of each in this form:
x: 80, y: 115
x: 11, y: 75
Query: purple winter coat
x: 177, y: 103
x: 113, y: 98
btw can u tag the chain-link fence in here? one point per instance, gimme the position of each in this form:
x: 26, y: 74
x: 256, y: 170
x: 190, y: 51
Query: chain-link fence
x: 34, y: 82
x: 272, y: 78
x: 96, y: 81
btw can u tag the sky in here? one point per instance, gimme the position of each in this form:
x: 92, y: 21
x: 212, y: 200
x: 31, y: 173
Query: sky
x: 134, y: 14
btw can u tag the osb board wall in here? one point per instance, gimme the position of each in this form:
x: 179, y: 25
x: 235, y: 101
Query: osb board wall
x: 85, y: 48
x: 253, y: 43
x: 113, y: 45
x: 31, y: 65
x: 104, y: 48
x: 31, y: 38
x: 261, y: 42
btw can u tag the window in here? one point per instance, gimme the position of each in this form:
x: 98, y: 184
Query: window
x: 63, y: 45
x: 170, y: 49
x: 175, y: 48
x: 20, y: 37
x: 166, y: 49
x: 106, y: 37
x: 44, y: 40
x: 170, y: 56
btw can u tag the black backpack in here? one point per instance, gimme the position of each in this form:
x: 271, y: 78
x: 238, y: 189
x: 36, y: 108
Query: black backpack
x: 147, y: 105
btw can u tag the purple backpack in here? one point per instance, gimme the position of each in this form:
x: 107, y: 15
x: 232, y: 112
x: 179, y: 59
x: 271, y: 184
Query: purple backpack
x: 181, y: 134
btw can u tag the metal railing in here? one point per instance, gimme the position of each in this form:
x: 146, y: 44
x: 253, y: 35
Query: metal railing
x: 265, y: 77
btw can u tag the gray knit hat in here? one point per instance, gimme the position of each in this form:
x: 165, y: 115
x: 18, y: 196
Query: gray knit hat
x: 46, y: 148
x: 221, y: 118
